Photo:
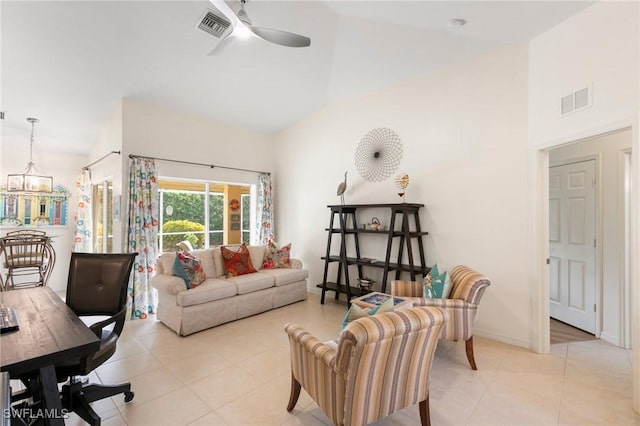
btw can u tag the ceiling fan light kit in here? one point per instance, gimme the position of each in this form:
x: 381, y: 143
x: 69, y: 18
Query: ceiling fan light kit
x: 242, y: 24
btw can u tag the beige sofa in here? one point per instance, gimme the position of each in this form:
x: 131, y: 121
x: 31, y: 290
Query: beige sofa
x: 220, y: 299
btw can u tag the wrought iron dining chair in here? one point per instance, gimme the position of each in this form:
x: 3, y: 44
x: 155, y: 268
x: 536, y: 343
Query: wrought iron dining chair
x: 29, y: 259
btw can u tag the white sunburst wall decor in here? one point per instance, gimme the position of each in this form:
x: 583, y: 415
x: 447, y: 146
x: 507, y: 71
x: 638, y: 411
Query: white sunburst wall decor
x: 378, y: 154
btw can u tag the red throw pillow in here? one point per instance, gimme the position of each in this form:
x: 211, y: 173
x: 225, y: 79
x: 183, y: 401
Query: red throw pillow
x: 237, y: 262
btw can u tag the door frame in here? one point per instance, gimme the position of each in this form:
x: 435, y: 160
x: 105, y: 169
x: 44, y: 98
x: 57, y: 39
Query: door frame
x: 539, y: 236
x: 599, y: 255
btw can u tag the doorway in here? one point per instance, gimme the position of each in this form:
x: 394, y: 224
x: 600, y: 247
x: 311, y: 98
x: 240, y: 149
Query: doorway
x: 601, y: 250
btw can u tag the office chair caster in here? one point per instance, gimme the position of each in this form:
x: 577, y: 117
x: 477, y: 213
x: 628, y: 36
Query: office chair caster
x: 128, y: 396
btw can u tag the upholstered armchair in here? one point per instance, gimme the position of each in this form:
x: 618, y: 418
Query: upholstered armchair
x: 379, y: 365
x: 467, y: 289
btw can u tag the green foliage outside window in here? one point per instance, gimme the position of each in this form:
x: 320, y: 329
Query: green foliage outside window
x: 185, y: 230
x: 186, y: 206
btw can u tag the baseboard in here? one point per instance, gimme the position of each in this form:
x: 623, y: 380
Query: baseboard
x: 502, y: 338
x: 614, y: 340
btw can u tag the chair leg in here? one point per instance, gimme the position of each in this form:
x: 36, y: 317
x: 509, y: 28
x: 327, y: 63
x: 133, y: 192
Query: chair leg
x: 425, y: 416
x: 469, y: 347
x: 94, y: 392
x: 295, y: 393
x: 82, y: 408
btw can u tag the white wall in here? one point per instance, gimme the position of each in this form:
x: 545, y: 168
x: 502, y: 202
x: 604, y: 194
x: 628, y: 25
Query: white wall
x: 598, y: 46
x: 65, y: 169
x: 464, y: 134
x: 609, y: 152
x: 601, y: 46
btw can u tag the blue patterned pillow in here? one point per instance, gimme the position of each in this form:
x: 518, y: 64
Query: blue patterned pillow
x: 436, y: 285
x: 188, y: 267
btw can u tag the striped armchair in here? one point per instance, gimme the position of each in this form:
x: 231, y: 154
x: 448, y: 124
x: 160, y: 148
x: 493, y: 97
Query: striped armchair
x: 379, y: 365
x: 468, y: 286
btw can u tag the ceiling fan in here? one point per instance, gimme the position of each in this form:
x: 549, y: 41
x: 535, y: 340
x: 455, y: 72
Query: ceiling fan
x: 241, y: 25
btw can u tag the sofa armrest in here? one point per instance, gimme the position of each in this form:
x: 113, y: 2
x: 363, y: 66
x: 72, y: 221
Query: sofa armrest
x: 296, y: 263
x: 169, y: 284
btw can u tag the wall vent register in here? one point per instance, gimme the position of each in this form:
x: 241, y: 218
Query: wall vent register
x: 575, y: 101
x: 213, y: 23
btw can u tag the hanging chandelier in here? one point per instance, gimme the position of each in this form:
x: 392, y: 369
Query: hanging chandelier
x: 29, y: 180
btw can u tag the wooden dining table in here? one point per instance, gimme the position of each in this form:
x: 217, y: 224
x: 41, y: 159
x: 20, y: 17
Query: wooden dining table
x: 49, y: 333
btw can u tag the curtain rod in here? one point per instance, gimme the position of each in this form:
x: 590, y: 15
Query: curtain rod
x: 213, y: 166
x: 100, y: 159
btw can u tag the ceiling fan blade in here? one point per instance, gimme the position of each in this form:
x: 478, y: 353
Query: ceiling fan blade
x: 282, y: 38
x: 226, y: 10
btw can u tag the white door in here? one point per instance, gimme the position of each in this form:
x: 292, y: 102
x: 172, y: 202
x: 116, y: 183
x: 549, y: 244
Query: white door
x: 572, y: 237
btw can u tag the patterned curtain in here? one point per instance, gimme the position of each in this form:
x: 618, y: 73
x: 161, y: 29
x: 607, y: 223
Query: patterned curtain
x: 142, y: 236
x: 83, y: 239
x: 264, y: 215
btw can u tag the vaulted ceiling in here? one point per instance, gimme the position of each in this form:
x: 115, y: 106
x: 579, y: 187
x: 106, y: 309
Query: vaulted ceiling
x: 69, y: 62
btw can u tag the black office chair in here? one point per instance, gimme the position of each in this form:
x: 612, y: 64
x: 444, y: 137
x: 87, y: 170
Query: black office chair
x: 97, y: 286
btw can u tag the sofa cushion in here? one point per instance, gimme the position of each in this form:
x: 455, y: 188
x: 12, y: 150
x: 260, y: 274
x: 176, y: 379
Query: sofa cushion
x: 257, y: 254
x: 251, y: 282
x: 164, y: 265
x: 206, y: 260
x: 211, y: 289
x: 286, y: 276
x: 237, y: 262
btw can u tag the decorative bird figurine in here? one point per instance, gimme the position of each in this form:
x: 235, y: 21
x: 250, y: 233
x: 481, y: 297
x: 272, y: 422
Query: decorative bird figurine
x: 342, y: 187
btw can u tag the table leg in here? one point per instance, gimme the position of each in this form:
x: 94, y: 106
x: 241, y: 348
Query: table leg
x: 53, y: 415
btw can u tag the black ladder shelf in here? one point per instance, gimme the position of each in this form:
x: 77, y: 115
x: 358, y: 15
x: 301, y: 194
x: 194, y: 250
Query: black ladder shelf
x: 347, y: 225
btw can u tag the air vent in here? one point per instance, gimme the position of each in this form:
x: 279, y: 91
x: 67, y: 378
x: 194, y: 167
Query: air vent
x: 576, y: 101
x: 213, y: 23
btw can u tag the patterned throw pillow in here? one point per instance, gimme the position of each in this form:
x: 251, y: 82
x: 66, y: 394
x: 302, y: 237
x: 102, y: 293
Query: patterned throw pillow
x: 356, y: 312
x: 277, y: 258
x: 237, y: 262
x: 187, y: 267
x: 436, y: 285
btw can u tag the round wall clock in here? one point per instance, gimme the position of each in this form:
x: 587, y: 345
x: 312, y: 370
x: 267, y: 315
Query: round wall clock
x: 234, y: 205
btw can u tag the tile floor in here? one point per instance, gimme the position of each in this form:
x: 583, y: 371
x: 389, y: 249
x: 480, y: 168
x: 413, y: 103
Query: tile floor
x: 238, y: 374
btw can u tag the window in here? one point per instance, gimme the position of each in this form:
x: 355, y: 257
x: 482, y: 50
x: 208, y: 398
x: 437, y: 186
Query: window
x: 195, y: 211
x: 246, y: 214
x: 102, y: 194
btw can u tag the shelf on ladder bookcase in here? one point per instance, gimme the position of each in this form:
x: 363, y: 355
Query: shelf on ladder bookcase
x: 347, y: 226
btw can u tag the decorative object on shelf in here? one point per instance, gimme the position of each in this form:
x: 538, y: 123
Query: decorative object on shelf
x: 234, y: 205
x: 235, y: 226
x: 366, y: 284
x: 30, y: 180
x: 378, y: 154
x: 342, y: 187
x: 402, y: 182
x: 374, y: 225
x: 235, y: 218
